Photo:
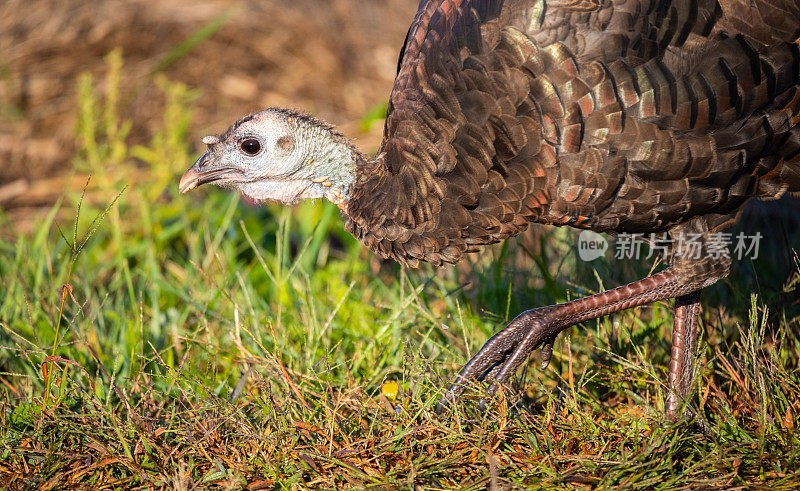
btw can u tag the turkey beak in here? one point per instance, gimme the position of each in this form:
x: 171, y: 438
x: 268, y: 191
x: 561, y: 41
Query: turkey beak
x: 194, y: 177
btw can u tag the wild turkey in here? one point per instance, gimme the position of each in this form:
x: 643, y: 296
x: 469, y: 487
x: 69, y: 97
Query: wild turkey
x: 626, y: 116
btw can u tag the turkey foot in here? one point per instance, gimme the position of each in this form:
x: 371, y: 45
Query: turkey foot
x: 506, y: 350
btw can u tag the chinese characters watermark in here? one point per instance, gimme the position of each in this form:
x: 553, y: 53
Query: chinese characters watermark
x: 713, y: 245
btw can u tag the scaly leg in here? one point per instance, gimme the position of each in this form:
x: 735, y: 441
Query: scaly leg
x: 684, y: 339
x: 507, y: 349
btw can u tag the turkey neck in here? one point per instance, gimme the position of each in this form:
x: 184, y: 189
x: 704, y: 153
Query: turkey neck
x: 362, y: 178
x: 370, y: 196
x: 332, y: 163
x: 334, y: 168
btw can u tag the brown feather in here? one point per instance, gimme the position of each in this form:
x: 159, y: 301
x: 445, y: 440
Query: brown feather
x: 615, y: 115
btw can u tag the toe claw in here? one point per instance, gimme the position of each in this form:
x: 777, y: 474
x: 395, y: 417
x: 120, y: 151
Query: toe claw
x: 453, y: 391
x: 444, y: 401
x: 547, y: 353
x: 496, y: 361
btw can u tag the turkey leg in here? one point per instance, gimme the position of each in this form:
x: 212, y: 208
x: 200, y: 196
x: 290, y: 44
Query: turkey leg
x: 507, y: 349
x: 681, y: 363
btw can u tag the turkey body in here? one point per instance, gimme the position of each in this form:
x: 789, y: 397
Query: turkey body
x: 626, y: 116
x: 634, y: 116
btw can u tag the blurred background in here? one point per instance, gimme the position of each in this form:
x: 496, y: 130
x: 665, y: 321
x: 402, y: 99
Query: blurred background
x: 334, y: 58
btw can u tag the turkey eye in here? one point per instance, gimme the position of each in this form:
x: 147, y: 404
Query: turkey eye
x: 251, y: 146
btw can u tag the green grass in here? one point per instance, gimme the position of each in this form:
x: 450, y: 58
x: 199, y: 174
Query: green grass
x: 203, y: 343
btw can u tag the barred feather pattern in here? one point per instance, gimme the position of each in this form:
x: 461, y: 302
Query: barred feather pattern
x: 612, y: 115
